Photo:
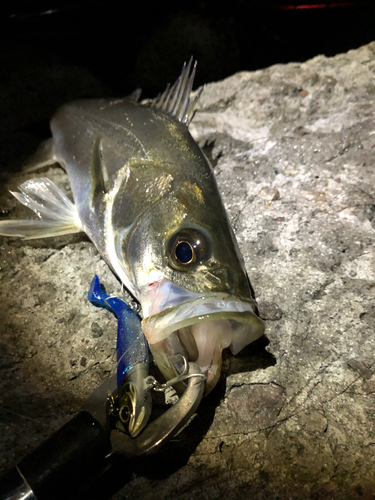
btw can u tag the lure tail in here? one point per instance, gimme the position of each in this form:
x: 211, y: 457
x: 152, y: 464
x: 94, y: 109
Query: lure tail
x: 96, y: 295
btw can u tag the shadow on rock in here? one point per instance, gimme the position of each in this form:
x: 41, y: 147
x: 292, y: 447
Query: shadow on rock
x: 253, y: 357
x: 165, y: 462
x: 175, y: 454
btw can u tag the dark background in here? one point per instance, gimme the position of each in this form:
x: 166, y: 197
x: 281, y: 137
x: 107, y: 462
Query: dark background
x: 53, y: 51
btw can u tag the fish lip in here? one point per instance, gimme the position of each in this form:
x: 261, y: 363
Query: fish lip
x: 159, y: 326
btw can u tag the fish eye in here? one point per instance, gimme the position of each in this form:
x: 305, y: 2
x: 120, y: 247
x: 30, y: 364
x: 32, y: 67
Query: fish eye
x: 124, y: 414
x: 184, y: 252
x: 187, y: 247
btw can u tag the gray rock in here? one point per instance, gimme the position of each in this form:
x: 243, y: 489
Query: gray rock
x: 294, y: 415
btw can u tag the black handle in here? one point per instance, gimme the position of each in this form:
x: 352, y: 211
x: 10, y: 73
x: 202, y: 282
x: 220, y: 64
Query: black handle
x: 60, y: 465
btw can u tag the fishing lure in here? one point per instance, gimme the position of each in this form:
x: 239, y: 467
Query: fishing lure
x: 134, y: 402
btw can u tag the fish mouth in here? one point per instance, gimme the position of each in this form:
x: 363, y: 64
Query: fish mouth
x: 200, y: 329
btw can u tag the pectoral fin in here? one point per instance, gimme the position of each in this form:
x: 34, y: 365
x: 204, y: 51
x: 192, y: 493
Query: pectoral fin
x: 98, y: 171
x: 57, y: 214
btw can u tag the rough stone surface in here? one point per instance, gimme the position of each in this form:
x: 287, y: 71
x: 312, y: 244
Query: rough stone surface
x: 293, y: 416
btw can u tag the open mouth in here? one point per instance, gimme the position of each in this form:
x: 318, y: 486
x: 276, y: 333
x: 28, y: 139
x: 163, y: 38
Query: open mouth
x: 200, y: 329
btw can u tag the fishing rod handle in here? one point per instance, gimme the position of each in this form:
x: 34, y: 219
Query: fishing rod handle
x: 61, y: 464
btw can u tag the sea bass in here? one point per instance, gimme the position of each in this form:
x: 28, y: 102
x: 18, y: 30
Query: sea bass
x: 146, y: 196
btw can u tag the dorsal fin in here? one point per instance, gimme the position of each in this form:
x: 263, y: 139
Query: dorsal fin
x: 134, y: 96
x: 45, y: 155
x: 175, y: 100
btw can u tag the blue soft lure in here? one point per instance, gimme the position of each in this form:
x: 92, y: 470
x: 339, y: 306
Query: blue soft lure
x: 134, y: 398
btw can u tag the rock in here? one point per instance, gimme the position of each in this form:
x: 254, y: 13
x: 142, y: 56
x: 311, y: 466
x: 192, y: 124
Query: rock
x: 301, y: 427
x: 269, y: 311
x: 269, y: 194
x: 96, y: 330
x: 361, y: 368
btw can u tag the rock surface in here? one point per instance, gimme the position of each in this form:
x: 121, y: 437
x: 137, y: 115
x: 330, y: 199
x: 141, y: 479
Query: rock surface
x: 294, y: 413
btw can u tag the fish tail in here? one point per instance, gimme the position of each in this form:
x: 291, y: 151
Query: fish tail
x: 57, y: 214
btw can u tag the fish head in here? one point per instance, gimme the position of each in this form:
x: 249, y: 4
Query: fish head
x: 133, y: 415
x: 183, y: 260
x: 200, y: 305
x: 134, y: 400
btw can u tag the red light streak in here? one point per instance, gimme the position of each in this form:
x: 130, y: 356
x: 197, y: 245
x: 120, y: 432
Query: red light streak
x: 316, y: 6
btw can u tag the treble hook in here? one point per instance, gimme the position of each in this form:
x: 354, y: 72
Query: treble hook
x: 184, y: 375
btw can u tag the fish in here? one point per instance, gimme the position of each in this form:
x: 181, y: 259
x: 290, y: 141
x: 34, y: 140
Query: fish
x: 146, y: 196
x: 134, y: 401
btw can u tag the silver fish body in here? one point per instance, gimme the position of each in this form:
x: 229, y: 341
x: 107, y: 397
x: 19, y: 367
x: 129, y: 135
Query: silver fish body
x: 147, y: 197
